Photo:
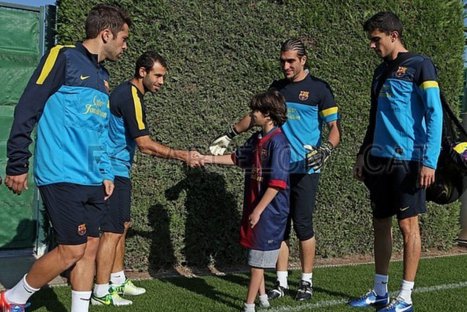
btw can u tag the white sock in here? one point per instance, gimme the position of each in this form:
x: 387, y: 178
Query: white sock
x: 100, y: 290
x: 264, y: 299
x: 118, y: 278
x: 381, y: 284
x: 308, y: 277
x: 21, y: 292
x: 282, y: 278
x: 406, y: 291
x: 248, y: 307
x: 80, y: 301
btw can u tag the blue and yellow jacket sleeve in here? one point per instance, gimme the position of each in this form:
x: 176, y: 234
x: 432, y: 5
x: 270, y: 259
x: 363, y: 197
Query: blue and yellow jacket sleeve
x: 430, y: 93
x: 46, y: 80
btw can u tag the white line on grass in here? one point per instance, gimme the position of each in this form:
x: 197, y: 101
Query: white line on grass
x: 331, y: 303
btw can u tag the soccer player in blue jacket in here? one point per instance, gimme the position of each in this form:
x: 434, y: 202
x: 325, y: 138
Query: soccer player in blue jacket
x: 68, y: 98
x: 266, y: 160
x: 398, y: 157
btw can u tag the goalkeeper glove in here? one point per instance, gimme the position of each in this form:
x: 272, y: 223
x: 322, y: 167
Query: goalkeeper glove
x: 219, y: 145
x: 317, y: 156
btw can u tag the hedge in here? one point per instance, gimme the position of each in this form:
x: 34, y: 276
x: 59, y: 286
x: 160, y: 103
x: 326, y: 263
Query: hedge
x: 222, y: 52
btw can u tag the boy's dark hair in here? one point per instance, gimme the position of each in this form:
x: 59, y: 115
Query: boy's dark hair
x: 104, y: 16
x: 272, y: 104
x: 147, y: 60
x: 386, y: 22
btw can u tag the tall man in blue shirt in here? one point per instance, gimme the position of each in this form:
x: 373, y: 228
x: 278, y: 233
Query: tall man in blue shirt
x: 310, y: 104
x: 398, y: 157
x: 67, y: 97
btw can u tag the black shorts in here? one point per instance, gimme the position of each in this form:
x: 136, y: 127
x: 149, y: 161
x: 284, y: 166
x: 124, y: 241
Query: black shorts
x: 75, y: 211
x: 393, y: 186
x: 119, y: 207
x: 303, y: 189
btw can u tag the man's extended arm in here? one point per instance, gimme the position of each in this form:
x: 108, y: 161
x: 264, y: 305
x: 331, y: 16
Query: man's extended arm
x: 150, y: 147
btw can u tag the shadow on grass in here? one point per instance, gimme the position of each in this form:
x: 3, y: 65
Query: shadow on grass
x: 46, y: 298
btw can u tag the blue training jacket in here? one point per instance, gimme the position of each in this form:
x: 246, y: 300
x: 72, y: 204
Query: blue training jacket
x: 406, y: 118
x: 67, y: 96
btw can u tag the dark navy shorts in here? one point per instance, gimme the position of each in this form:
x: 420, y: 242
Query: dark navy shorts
x: 75, y: 211
x: 393, y: 186
x: 119, y: 207
x: 303, y: 189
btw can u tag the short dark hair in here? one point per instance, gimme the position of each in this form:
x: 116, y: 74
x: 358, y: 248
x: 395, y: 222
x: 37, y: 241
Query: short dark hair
x: 386, y: 22
x: 104, y: 16
x: 147, y: 60
x: 272, y: 104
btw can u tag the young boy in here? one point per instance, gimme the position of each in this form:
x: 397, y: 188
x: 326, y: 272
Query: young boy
x: 265, y: 158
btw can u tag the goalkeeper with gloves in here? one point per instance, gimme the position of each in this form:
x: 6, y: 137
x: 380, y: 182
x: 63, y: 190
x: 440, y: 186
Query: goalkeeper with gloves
x: 310, y: 103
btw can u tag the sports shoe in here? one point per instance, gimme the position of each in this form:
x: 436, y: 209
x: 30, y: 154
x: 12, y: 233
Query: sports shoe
x: 11, y: 307
x: 276, y: 292
x: 112, y: 298
x: 128, y: 288
x: 304, y: 291
x: 370, y: 299
x: 398, y: 305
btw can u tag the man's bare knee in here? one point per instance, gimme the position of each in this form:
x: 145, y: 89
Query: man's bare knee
x: 109, y: 236
x: 70, y: 254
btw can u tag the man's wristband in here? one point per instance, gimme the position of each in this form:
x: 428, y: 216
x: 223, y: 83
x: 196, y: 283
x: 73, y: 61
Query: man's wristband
x: 231, y: 132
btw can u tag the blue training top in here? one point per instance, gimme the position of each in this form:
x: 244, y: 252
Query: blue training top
x: 127, y: 122
x: 67, y: 96
x: 310, y: 102
x: 407, y: 122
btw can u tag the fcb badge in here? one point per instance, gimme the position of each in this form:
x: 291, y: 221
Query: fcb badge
x: 401, y: 71
x: 81, y: 229
x: 264, y: 154
x: 303, y: 96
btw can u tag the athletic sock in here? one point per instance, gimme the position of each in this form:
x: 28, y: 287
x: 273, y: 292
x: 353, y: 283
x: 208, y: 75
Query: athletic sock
x: 381, y: 284
x: 118, y: 278
x: 21, y: 292
x: 282, y: 278
x: 249, y: 307
x: 80, y: 301
x: 100, y: 290
x: 308, y: 277
x: 406, y: 291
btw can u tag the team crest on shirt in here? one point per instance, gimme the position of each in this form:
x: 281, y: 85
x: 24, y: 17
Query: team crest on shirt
x: 256, y: 174
x: 401, y: 71
x: 81, y: 229
x: 303, y: 96
x: 264, y: 154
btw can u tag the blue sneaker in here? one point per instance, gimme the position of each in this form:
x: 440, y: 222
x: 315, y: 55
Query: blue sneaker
x: 370, y: 299
x: 398, y: 305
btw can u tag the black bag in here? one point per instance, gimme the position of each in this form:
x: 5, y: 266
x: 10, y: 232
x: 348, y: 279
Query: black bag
x: 452, y: 166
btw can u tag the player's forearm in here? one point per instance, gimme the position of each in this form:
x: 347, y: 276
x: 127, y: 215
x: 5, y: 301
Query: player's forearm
x: 219, y: 160
x: 243, y: 125
x: 156, y: 149
x: 267, y: 198
x: 334, y: 133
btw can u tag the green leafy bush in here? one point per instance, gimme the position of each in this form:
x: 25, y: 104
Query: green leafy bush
x: 222, y: 52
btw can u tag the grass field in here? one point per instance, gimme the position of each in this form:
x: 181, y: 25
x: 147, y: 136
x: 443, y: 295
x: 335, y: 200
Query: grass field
x: 441, y: 285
